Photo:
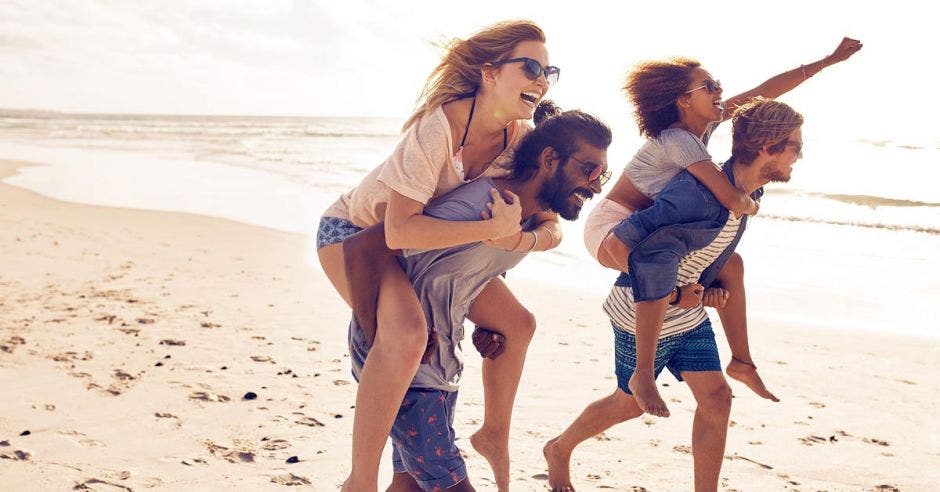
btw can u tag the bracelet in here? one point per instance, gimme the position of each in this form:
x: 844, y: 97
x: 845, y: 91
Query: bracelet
x: 552, y: 236
x: 518, y: 243
x: 678, y: 292
x: 803, y: 69
x: 535, y: 240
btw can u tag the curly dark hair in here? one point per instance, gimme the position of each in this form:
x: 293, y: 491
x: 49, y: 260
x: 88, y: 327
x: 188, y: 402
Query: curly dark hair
x: 653, y: 87
x: 560, y: 130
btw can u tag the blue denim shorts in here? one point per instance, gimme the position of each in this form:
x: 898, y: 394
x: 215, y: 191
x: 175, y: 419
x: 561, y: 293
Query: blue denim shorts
x: 423, y: 439
x: 334, y: 230
x: 694, y: 350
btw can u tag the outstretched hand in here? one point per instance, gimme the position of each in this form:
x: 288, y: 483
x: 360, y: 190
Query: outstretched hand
x: 847, y: 47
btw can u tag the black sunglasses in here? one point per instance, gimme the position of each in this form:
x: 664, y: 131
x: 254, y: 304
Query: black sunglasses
x: 712, y: 86
x: 594, y: 172
x: 533, y: 69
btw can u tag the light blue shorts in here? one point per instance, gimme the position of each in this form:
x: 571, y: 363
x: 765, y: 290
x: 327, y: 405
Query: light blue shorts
x: 334, y: 230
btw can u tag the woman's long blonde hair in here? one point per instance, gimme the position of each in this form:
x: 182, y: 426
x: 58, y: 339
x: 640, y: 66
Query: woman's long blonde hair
x: 458, y: 74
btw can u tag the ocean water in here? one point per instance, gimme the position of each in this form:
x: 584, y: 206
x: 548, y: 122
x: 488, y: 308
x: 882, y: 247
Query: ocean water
x: 871, y: 209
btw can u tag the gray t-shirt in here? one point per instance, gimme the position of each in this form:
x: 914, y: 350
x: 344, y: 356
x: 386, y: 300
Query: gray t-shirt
x: 446, y: 282
x: 665, y: 156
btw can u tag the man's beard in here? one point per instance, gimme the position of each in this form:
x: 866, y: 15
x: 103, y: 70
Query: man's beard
x: 557, y: 195
x: 772, y: 174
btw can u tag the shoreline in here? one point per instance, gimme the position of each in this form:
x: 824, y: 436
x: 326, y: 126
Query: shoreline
x: 131, y: 337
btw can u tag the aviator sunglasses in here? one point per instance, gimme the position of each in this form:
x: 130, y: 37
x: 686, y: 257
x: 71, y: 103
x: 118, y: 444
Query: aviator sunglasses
x: 712, y: 86
x: 594, y: 172
x: 533, y: 69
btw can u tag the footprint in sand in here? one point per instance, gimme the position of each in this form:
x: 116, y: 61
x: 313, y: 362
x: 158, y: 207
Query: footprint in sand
x: 70, y: 356
x: 879, y: 442
x: 168, y: 341
x: 10, y: 344
x: 885, y: 488
x: 16, y: 455
x: 682, y: 449
x: 817, y: 404
x: 745, y: 458
x: 310, y: 421
x: 290, y: 479
x: 275, y: 444
x: 208, y: 396
x: 167, y: 415
x: 811, y: 440
x: 230, y: 455
x: 98, y: 483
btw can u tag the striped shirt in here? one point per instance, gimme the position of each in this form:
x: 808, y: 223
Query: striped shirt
x: 621, y: 308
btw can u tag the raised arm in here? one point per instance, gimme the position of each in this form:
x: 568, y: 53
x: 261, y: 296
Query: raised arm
x: 731, y: 197
x: 785, y: 82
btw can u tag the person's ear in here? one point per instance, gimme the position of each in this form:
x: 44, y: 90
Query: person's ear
x: 488, y: 74
x: 548, y: 159
x: 684, y: 101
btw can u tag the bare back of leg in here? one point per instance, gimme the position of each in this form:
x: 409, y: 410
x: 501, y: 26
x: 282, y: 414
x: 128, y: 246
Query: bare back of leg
x: 497, y: 309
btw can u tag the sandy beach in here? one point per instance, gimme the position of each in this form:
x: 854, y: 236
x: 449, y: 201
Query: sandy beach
x: 146, y: 350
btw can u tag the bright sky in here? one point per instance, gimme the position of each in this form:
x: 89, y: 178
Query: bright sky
x: 370, y: 58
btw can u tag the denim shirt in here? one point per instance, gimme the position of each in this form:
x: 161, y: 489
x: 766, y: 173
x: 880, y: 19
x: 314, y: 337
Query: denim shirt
x: 685, y: 217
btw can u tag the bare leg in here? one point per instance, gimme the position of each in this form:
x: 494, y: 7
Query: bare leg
x: 497, y: 309
x: 596, y: 418
x: 392, y: 362
x: 334, y: 265
x: 366, y: 258
x: 403, y: 482
x: 734, y: 321
x: 710, y: 426
x: 649, y: 321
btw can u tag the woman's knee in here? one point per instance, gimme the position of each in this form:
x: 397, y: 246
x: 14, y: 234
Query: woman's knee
x: 735, y: 264
x: 525, y: 320
x: 404, y: 343
x: 517, y: 325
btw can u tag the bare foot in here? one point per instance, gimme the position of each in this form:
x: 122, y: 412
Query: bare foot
x: 496, y: 454
x: 559, y: 462
x: 747, y: 374
x: 647, y: 396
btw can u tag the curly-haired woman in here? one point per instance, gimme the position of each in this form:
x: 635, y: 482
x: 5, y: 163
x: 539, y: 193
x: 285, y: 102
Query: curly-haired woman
x: 677, y: 106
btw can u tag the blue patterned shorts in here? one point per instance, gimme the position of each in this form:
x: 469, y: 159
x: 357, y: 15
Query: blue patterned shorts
x: 423, y: 439
x: 694, y: 350
x: 334, y: 230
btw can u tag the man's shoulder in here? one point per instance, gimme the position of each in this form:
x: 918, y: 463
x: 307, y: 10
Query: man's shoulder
x: 462, y: 203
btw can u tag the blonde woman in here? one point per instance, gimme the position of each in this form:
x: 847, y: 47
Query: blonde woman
x: 472, y: 112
